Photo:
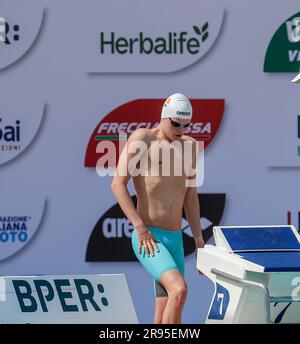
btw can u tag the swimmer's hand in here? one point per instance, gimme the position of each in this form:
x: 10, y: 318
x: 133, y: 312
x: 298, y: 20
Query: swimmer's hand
x: 199, y: 242
x: 146, y: 239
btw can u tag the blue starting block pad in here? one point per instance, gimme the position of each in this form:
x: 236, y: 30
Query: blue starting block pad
x: 274, y: 248
x: 241, y: 239
x: 253, y: 267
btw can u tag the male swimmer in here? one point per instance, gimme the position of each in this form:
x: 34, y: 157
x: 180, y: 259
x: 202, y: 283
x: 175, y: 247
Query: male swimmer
x: 157, y: 236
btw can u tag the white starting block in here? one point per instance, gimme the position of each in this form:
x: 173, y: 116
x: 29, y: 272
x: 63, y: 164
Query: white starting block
x: 256, y: 272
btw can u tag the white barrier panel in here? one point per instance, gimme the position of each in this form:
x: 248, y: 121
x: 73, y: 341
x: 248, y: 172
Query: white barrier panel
x: 94, y: 299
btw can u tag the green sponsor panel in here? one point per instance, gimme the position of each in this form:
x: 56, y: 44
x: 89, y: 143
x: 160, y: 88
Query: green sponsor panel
x: 283, y: 53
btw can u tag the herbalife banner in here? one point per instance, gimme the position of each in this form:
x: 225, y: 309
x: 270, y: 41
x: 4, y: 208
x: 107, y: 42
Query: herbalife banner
x: 158, y: 41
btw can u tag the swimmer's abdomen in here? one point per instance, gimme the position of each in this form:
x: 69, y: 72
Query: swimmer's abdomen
x: 160, y: 200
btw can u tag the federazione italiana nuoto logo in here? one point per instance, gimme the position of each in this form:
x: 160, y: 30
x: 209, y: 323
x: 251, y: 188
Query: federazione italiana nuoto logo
x: 145, y: 113
x: 283, y: 53
x: 19, y: 221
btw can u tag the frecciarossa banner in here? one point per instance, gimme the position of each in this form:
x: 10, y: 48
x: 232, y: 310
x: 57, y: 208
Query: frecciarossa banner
x: 145, y: 113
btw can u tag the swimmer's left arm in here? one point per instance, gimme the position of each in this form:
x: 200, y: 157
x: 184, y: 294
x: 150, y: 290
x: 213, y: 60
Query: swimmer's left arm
x: 192, y: 212
x: 191, y: 201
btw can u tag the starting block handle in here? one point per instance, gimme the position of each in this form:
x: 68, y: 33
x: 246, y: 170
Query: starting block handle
x: 248, y: 283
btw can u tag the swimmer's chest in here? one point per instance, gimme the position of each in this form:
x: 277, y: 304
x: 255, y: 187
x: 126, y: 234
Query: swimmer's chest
x: 167, y: 161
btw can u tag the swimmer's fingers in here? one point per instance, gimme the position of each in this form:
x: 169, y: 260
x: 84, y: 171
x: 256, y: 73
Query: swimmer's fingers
x: 150, y: 249
x: 154, y: 244
x: 144, y: 243
x: 156, y: 240
x: 140, y: 247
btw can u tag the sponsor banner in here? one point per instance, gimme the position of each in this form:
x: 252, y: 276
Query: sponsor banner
x: 19, y: 124
x: 111, y: 237
x: 66, y: 299
x: 145, y: 113
x: 20, y: 25
x: 283, y: 53
x: 19, y: 221
x: 118, y: 45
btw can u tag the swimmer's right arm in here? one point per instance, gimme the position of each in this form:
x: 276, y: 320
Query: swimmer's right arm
x: 125, y: 170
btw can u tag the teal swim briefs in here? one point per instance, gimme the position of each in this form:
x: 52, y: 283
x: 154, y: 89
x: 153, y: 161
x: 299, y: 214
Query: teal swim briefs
x: 170, y: 255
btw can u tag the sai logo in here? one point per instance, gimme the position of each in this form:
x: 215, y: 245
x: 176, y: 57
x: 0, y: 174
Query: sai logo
x: 20, y: 123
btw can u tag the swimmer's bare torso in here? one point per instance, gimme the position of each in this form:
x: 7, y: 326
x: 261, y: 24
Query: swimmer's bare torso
x: 160, y: 197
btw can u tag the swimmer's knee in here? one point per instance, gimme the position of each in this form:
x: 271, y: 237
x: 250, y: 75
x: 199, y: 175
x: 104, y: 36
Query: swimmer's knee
x: 178, y: 290
x: 175, y: 284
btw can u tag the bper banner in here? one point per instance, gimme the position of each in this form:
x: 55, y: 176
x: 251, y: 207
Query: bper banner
x: 63, y: 299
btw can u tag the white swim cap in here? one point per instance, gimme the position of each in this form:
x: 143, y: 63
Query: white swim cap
x: 177, y: 106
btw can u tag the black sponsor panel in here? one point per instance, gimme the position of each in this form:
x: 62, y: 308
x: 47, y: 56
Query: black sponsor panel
x: 111, y: 237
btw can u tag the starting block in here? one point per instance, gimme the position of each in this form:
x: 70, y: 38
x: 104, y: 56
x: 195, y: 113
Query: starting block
x: 256, y: 273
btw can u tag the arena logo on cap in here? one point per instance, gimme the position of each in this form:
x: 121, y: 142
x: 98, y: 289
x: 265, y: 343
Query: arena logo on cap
x: 283, y: 53
x: 207, y: 117
x: 111, y: 237
x: 19, y: 222
x: 167, y: 47
x: 20, y: 25
x: 17, y: 128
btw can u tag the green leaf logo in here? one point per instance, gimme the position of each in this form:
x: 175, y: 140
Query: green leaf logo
x: 204, y: 37
x: 197, y: 30
x: 205, y: 27
x: 202, y: 32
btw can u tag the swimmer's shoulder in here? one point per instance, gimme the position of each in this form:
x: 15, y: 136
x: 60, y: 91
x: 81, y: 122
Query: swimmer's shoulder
x: 188, y: 138
x: 142, y: 134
